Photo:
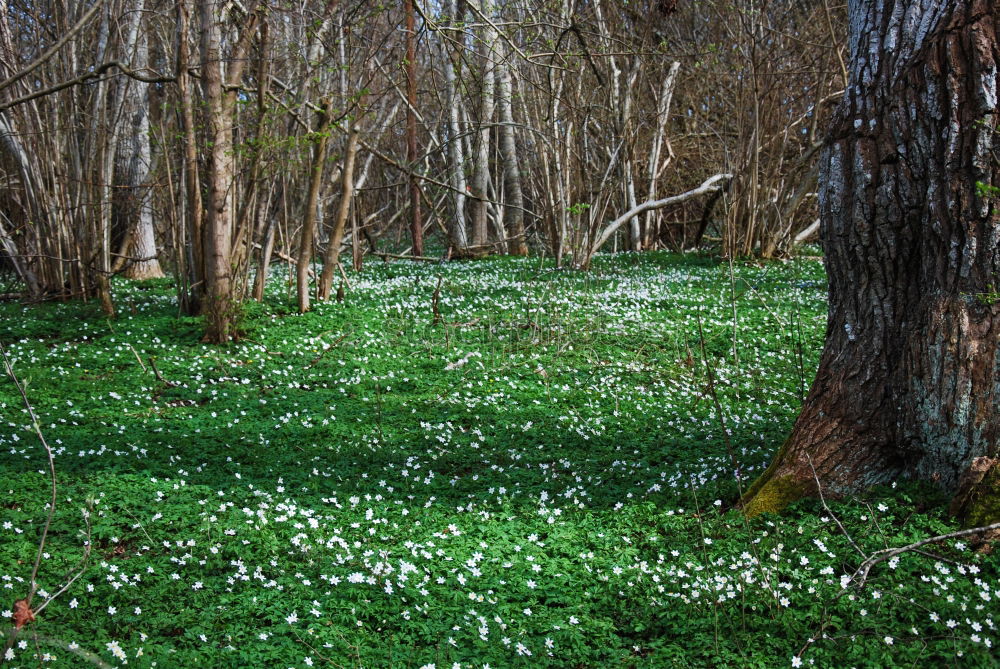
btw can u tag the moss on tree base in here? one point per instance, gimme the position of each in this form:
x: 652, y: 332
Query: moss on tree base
x: 774, y: 495
x: 771, y: 493
x: 978, y: 502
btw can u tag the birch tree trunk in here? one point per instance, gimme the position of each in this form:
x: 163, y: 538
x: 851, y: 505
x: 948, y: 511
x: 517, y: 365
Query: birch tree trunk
x: 909, y: 380
x: 655, y: 164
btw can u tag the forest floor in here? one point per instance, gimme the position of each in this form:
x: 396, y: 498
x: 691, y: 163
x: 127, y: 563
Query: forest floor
x: 535, y: 469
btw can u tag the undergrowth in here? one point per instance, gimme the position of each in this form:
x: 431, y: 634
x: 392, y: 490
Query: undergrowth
x: 539, y: 479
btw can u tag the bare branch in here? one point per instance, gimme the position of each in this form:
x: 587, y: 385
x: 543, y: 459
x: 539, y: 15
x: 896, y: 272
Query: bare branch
x: 710, y: 185
x: 54, y: 49
x: 861, y: 573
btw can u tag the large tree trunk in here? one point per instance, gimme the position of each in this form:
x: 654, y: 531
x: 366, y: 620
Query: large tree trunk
x: 909, y: 381
x: 217, y: 232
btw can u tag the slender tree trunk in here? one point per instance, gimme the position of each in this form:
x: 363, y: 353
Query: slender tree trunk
x: 101, y: 150
x: 481, y: 178
x: 909, y: 381
x: 256, y: 194
x: 312, y: 201
x: 192, y: 299
x: 514, y: 202
x: 634, y: 228
x: 416, y: 220
x: 332, y: 257
x: 11, y: 146
x: 264, y: 262
x: 654, y: 164
x: 132, y: 202
x: 456, y: 155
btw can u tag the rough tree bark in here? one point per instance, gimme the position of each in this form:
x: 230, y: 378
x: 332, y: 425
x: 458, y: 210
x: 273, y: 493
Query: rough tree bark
x: 909, y: 381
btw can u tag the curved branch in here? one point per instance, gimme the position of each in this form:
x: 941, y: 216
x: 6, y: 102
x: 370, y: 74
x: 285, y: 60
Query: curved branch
x: 85, y: 77
x: 710, y: 185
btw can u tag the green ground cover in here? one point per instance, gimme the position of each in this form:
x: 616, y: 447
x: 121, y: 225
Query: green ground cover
x: 542, y: 477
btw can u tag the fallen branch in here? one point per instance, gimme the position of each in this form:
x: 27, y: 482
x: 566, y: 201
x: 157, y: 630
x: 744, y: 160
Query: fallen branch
x: 23, y: 613
x: 860, y: 575
x: 328, y: 348
x: 159, y: 377
x: 399, y: 256
x: 36, y: 426
x: 710, y: 185
x: 889, y: 553
x: 808, y: 232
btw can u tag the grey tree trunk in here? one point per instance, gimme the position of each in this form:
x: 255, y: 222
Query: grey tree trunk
x: 481, y: 176
x: 131, y: 203
x: 456, y: 156
x: 909, y: 380
x: 655, y: 164
x: 416, y: 218
x: 514, y: 201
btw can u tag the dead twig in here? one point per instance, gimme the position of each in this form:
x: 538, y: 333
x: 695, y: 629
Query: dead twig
x: 434, y: 302
x: 159, y: 377
x: 328, y: 348
x: 861, y: 573
x: 398, y: 256
x: 822, y: 500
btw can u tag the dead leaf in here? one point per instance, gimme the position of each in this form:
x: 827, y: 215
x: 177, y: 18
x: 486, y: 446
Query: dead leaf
x: 22, y: 613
